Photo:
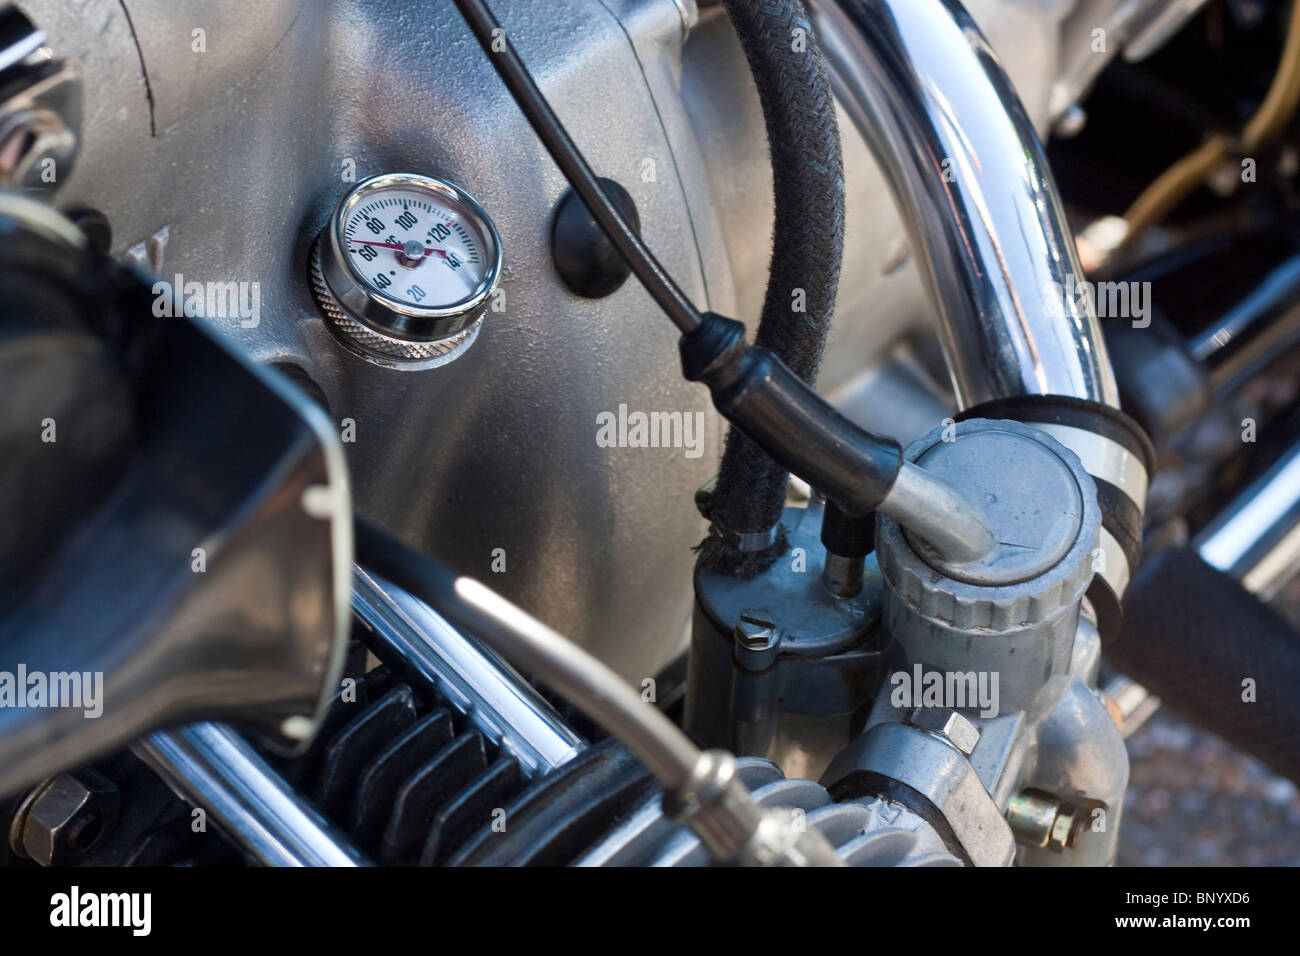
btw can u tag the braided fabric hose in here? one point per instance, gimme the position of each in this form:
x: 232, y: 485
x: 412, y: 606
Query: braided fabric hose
x: 808, y: 240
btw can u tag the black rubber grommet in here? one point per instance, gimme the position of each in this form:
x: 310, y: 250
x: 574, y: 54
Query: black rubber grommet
x: 584, y: 257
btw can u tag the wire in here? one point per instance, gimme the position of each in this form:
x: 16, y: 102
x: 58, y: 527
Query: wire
x: 501, y: 54
x: 1179, y: 180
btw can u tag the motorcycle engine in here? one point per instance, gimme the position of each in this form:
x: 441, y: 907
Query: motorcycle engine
x: 307, y: 261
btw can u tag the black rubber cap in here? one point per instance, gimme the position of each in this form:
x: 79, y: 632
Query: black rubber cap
x: 585, y: 258
x: 852, y: 536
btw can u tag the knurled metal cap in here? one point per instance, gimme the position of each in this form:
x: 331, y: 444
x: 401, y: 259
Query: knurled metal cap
x: 377, y: 346
x: 1042, y: 506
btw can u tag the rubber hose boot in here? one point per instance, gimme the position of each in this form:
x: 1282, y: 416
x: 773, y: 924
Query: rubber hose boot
x: 1215, y: 655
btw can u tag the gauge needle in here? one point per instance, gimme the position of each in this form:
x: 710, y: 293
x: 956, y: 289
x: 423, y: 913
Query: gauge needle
x: 399, y: 247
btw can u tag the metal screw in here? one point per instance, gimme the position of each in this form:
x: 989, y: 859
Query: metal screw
x: 1041, y: 820
x: 951, y: 725
x: 754, y: 631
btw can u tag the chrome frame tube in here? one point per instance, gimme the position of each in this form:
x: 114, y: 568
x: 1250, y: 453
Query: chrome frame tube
x: 426, y: 648
x: 609, y: 700
x: 212, y: 768
x: 969, y: 176
x: 1256, y: 539
x: 1272, y: 299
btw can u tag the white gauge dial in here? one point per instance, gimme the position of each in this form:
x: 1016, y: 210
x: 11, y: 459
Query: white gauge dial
x: 413, y: 246
x: 410, y: 257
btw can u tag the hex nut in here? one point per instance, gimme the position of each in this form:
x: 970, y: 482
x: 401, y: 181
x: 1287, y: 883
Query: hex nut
x: 1066, y: 830
x: 951, y: 725
x: 1045, y: 821
x: 68, y: 815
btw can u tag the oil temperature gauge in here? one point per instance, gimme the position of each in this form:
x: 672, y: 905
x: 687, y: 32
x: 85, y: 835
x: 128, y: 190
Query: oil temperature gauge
x: 405, y: 269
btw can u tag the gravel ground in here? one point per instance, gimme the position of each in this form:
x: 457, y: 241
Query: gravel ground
x: 1195, y: 801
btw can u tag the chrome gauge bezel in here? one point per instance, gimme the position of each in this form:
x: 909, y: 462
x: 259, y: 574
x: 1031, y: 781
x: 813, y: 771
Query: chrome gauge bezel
x: 389, y: 316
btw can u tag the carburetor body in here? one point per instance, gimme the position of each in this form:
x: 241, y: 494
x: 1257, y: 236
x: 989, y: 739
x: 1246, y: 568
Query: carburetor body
x: 975, y: 681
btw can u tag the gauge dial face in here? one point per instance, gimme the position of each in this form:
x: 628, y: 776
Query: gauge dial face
x: 414, y: 245
x: 406, y: 260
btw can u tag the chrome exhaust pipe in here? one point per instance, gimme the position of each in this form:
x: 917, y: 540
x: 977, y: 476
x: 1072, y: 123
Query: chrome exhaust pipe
x: 968, y: 173
x: 970, y: 179
x: 212, y: 768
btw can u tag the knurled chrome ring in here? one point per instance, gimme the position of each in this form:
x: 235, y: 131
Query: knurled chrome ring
x: 378, y: 347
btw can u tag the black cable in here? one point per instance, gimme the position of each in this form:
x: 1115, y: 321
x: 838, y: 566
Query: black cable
x: 751, y: 386
x: 501, y: 53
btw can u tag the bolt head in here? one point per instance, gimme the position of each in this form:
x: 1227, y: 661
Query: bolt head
x: 68, y: 815
x: 951, y: 725
x: 754, y: 636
